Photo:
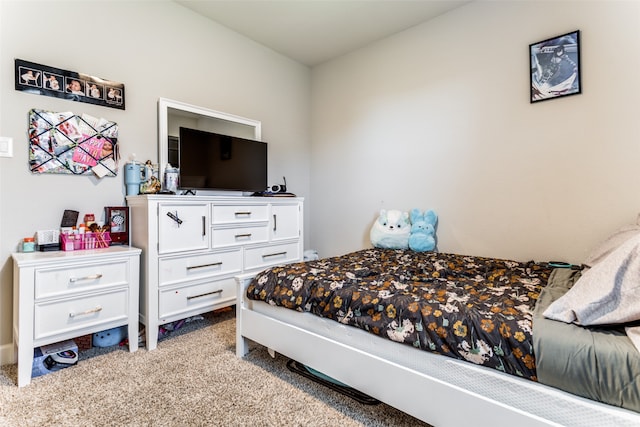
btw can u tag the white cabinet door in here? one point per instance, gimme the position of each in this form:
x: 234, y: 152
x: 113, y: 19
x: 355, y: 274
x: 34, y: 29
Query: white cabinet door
x: 183, y: 227
x: 284, y: 222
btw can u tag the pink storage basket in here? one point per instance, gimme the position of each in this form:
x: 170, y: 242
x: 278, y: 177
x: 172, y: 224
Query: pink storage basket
x: 90, y: 240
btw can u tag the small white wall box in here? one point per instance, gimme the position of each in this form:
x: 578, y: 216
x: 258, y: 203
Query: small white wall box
x: 6, y: 146
x: 53, y: 357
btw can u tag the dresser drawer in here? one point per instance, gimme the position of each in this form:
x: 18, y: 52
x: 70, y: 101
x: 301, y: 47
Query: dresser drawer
x: 173, y: 270
x: 53, y: 282
x: 61, y: 317
x: 271, y: 255
x: 224, y: 214
x: 224, y: 237
x: 195, y: 297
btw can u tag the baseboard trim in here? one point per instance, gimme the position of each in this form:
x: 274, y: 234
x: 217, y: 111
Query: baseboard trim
x: 7, y: 355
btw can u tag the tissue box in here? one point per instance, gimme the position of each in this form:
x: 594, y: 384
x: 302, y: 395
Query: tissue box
x: 53, y: 357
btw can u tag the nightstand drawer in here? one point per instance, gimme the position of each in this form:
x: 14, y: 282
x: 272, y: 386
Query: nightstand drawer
x: 224, y: 214
x: 173, y: 270
x: 224, y: 237
x: 195, y: 297
x: 64, y: 316
x: 53, y: 282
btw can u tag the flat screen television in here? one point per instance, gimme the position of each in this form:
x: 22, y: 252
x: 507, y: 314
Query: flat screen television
x: 212, y: 161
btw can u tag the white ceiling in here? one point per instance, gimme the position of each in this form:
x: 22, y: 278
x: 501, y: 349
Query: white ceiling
x: 314, y: 31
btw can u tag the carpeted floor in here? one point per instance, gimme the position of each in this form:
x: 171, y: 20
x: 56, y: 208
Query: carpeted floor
x: 193, y: 378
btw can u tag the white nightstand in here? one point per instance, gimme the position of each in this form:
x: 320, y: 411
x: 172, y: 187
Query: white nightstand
x: 62, y: 295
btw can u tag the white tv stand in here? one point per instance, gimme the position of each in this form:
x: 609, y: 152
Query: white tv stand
x: 194, y: 246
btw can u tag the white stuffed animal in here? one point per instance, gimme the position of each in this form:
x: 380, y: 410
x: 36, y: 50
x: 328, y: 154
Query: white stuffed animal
x: 391, y: 230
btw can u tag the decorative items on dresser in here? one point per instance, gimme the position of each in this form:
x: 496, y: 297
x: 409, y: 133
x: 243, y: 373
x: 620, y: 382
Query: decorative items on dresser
x: 61, y: 295
x: 194, y: 246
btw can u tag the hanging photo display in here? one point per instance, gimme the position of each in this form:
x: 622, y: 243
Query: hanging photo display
x: 70, y: 144
x: 49, y: 81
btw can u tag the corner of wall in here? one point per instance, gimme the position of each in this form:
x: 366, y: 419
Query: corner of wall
x: 7, y: 355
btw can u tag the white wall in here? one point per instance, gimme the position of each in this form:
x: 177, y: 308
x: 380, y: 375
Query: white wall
x: 157, y: 49
x: 438, y: 117
x: 435, y: 117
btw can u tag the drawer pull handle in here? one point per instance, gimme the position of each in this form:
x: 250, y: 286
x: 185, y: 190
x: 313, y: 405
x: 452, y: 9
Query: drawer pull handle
x: 243, y: 235
x: 275, y: 223
x: 242, y: 213
x: 91, y: 277
x: 219, y: 291
x: 276, y: 254
x: 174, y: 216
x: 215, y: 264
x: 84, y: 313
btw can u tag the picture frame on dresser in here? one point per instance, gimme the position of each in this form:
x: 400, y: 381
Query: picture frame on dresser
x: 117, y: 217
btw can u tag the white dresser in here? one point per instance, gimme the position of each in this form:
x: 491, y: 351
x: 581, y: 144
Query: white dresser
x: 62, y: 295
x: 193, y: 246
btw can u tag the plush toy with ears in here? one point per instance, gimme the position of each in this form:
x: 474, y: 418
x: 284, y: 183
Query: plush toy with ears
x: 391, y: 230
x: 423, y: 231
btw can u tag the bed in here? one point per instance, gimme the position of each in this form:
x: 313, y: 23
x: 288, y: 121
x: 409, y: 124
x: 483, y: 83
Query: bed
x: 446, y: 338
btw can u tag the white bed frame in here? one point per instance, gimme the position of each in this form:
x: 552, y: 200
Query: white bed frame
x: 439, y: 390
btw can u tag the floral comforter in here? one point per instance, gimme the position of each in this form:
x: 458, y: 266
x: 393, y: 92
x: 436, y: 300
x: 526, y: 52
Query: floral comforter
x: 467, y: 307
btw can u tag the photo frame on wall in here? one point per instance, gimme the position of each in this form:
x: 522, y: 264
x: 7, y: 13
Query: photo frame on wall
x: 39, y: 79
x: 555, y: 67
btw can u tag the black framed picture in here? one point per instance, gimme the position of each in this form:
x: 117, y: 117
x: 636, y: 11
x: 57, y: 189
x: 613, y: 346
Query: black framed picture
x: 117, y: 217
x: 46, y: 80
x: 555, y: 67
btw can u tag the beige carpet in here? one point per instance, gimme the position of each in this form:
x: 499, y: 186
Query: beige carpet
x: 193, y: 378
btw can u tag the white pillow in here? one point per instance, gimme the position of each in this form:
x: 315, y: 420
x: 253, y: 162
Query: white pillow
x: 608, y: 293
x: 601, y: 251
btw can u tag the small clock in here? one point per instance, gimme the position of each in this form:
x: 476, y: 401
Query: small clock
x: 118, y: 220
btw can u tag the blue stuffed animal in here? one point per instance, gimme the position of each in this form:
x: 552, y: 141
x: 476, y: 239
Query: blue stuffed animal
x: 391, y: 230
x: 423, y: 231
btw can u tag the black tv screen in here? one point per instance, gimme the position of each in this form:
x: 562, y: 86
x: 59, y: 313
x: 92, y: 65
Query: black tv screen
x: 212, y: 161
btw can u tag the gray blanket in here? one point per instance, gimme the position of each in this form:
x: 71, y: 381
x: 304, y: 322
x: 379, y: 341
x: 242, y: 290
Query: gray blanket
x: 598, y: 363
